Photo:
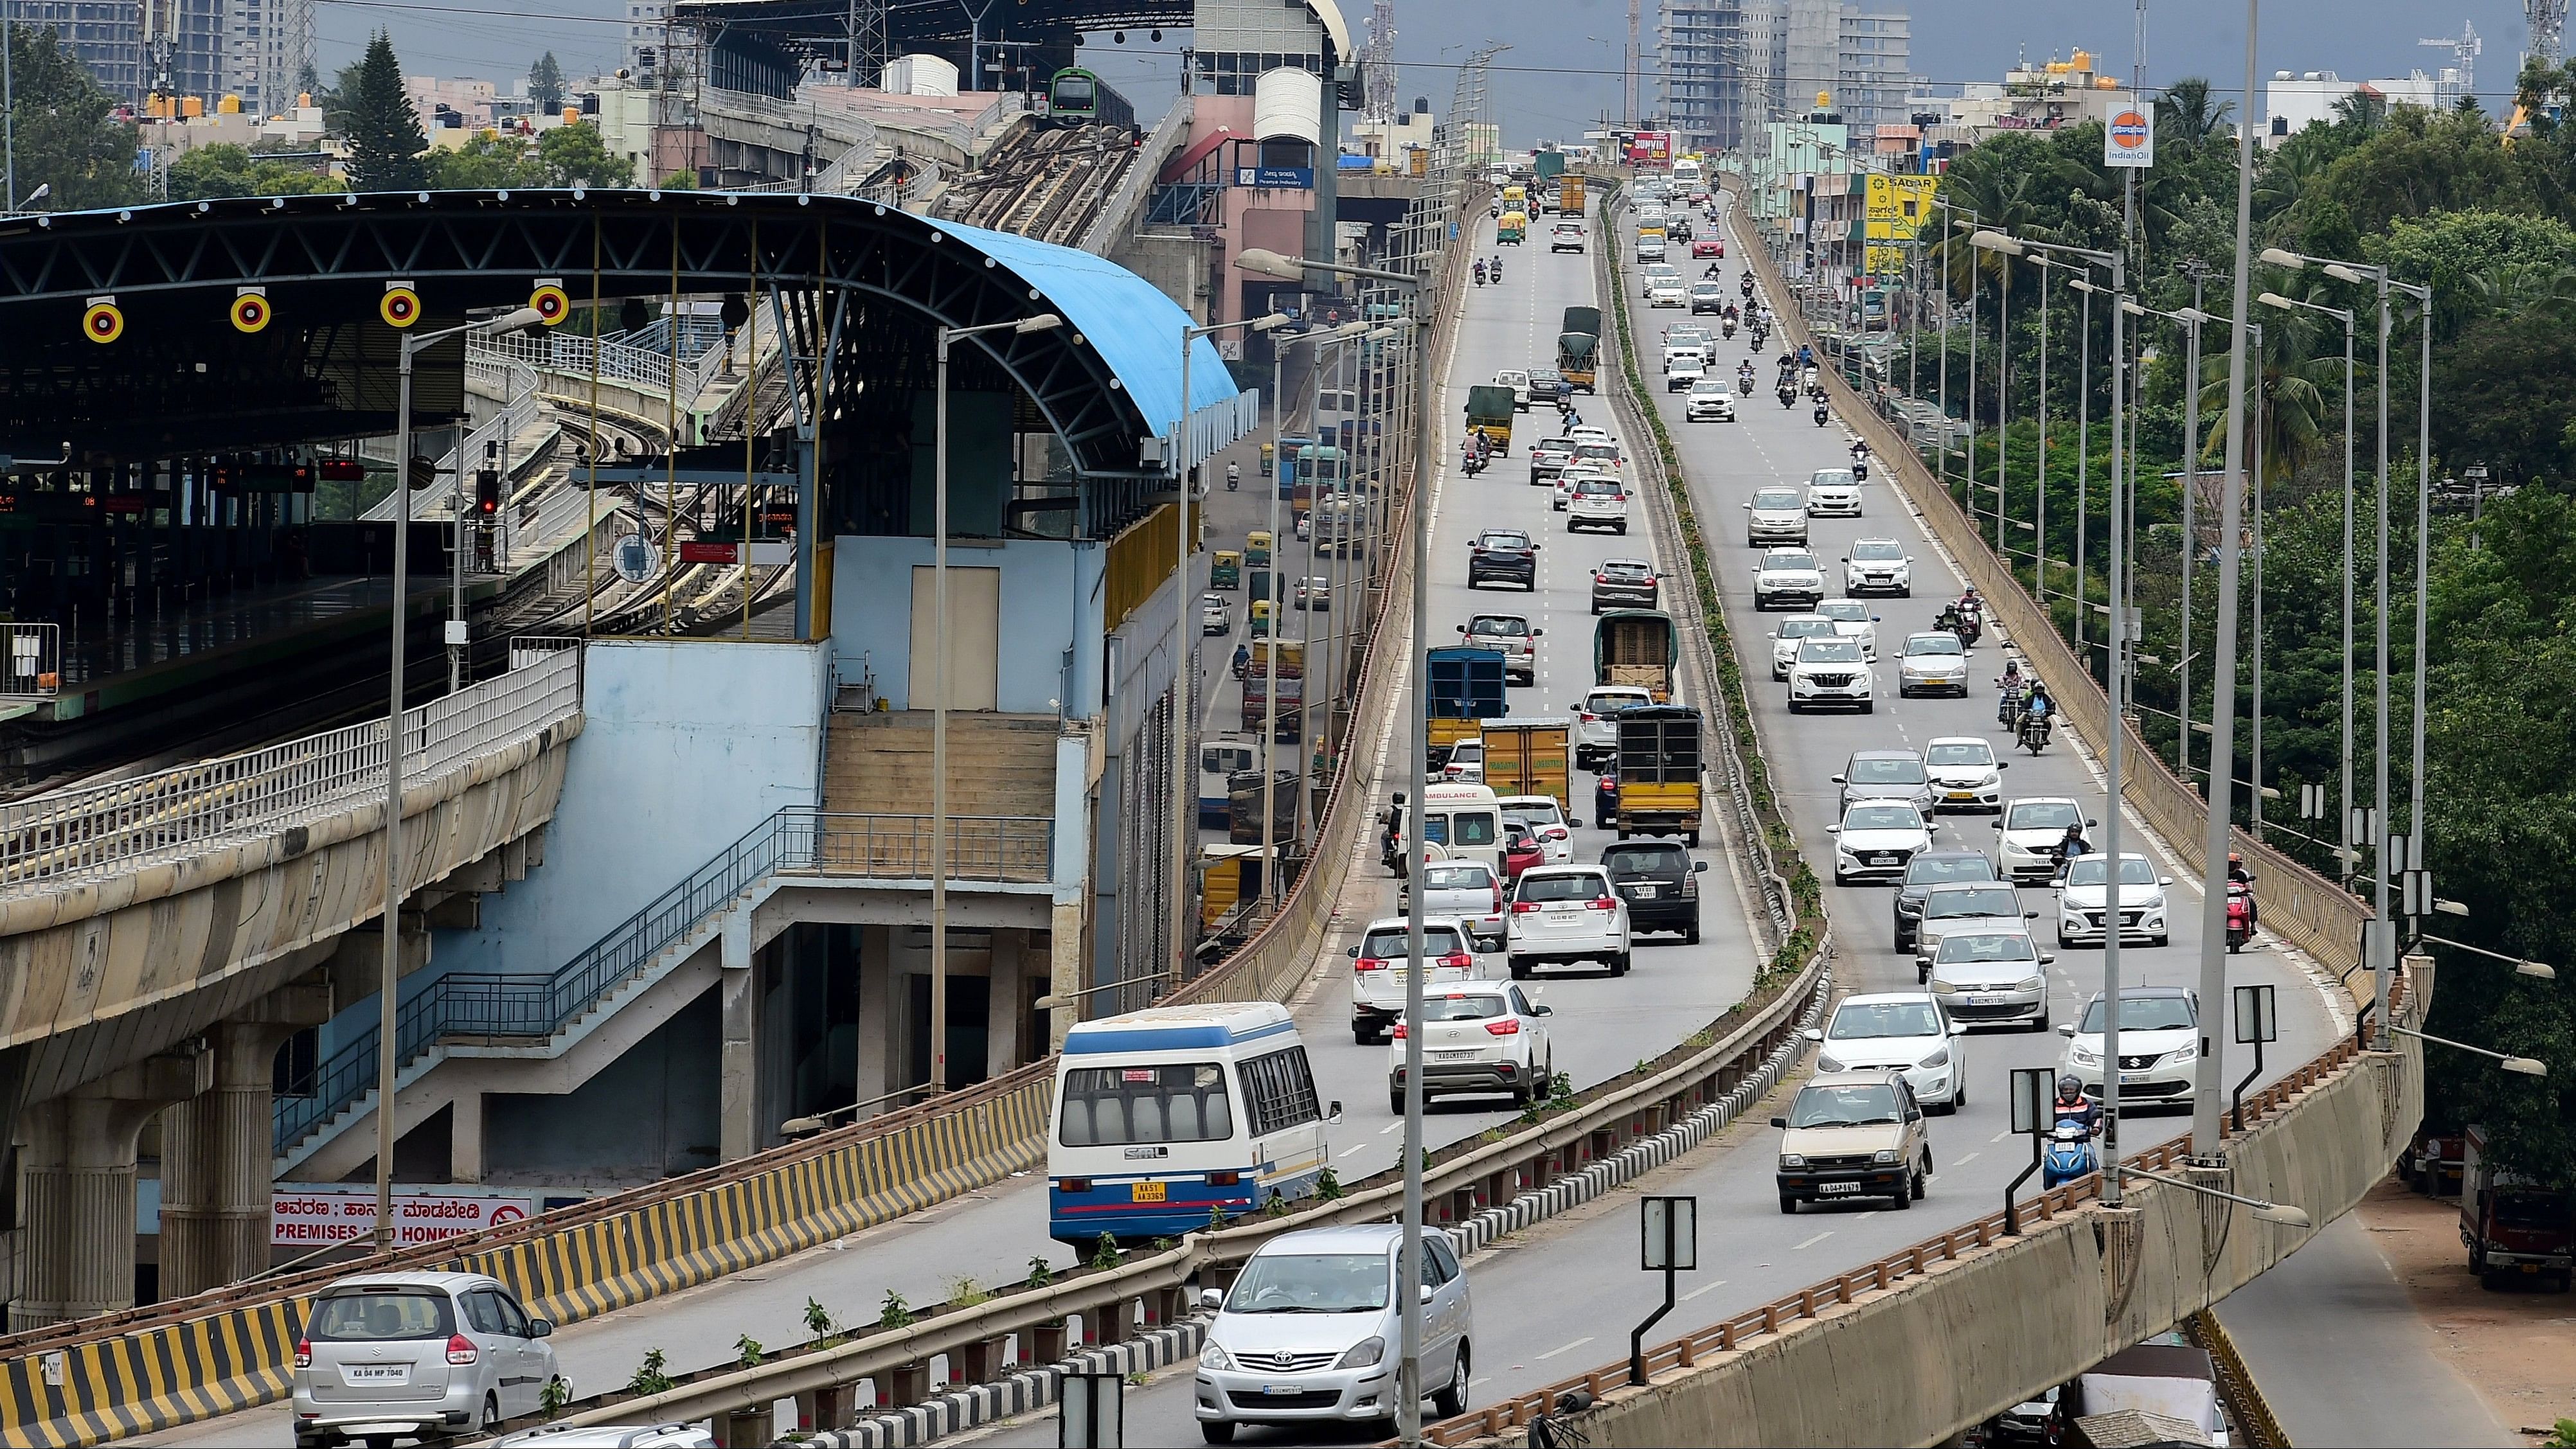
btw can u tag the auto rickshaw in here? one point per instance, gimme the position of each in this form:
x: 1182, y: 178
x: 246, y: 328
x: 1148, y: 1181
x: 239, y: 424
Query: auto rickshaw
x: 1256, y: 548
x: 1265, y: 460
x: 1225, y: 571
x: 1261, y: 618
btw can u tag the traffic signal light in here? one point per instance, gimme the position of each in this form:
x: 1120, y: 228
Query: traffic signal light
x: 487, y: 491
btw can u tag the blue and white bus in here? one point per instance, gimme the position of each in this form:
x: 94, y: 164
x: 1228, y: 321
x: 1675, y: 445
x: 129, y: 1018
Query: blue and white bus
x: 1165, y: 1114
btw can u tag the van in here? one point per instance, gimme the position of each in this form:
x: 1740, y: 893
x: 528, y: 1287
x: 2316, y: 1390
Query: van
x: 1465, y: 822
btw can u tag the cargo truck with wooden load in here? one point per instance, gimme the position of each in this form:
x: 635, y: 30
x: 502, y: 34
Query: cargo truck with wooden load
x: 1660, y: 786
x: 1578, y: 348
x: 1466, y: 690
x: 1489, y: 411
x: 1279, y: 664
x: 1639, y: 647
x: 1528, y: 756
x: 1569, y: 195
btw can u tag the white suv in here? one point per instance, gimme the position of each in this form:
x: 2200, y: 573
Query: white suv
x: 1483, y: 1038
x: 1567, y: 913
x: 417, y: 1355
x: 1465, y: 890
x: 1512, y: 637
x: 1711, y: 402
x: 1597, y: 503
x: 2083, y: 896
x: 1787, y: 578
x: 1379, y: 971
x: 1831, y: 672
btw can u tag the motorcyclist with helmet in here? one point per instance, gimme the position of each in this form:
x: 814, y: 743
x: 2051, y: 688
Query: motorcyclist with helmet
x: 2009, y: 695
x: 2071, y: 1105
x: 2072, y: 845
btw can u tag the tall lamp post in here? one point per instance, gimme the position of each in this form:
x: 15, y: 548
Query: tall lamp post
x: 2344, y: 315
x: 388, y: 1023
x: 939, y: 684
x: 1266, y: 263
x: 2193, y: 319
x: 1185, y: 641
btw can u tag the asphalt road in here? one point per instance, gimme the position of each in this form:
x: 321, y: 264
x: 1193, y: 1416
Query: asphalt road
x: 1564, y: 1298
x: 1601, y: 1027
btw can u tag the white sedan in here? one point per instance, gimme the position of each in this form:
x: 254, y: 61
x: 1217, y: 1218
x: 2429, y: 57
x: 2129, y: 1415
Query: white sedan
x: 1833, y: 493
x: 1932, y: 663
x: 1853, y: 620
x: 1875, y: 840
x: 1480, y: 1037
x: 1965, y: 773
x: 1667, y: 292
x: 1711, y: 402
x: 1597, y: 503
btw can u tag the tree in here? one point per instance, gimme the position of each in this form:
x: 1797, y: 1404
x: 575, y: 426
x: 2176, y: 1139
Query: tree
x: 486, y: 163
x: 2188, y: 115
x: 385, y: 140
x: 214, y: 171
x: 575, y: 156
x: 66, y: 135
x: 308, y: 82
x: 546, y: 83
x: 680, y: 180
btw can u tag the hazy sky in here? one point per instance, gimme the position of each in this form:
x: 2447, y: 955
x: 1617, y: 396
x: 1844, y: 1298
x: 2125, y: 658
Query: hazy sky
x: 1564, y: 68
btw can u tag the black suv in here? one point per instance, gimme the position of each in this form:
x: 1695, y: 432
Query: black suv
x: 1624, y: 583
x: 1660, y: 882
x: 1505, y: 554
x: 1922, y: 873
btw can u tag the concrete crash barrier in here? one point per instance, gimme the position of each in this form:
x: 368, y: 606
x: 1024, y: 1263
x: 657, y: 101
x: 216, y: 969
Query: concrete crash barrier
x: 114, y: 1387
x: 1920, y: 1346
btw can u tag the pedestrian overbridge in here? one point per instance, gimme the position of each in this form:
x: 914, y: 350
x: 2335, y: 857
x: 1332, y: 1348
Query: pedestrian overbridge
x: 160, y: 936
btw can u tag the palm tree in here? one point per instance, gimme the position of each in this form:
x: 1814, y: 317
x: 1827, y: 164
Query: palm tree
x: 2187, y: 114
x: 2360, y: 113
x: 2296, y: 378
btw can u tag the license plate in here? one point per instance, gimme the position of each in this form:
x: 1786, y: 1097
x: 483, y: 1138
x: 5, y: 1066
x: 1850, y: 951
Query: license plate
x: 1831, y: 1189
x: 1985, y: 998
x: 1643, y: 892
x: 2531, y: 1267
x: 2131, y: 1079
x: 1882, y: 860
x: 1963, y: 794
x: 1457, y: 1056
x: 1281, y: 1389
x: 1145, y: 1192
x: 390, y: 1373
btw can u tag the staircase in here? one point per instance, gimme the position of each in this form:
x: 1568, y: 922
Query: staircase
x: 999, y: 765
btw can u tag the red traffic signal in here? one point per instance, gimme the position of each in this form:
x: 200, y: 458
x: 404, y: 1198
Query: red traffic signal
x: 487, y: 491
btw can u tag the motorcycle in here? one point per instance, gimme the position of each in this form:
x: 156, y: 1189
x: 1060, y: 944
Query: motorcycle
x: 1233, y: 477
x: 2034, y: 732
x: 2240, y: 915
x: 1480, y: 274
x: 1497, y: 269
x: 1472, y: 462
x: 1788, y: 398
x: 1744, y: 383
x: 1860, y: 470
x: 2008, y: 706
x: 2068, y: 1154
x: 1726, y: 330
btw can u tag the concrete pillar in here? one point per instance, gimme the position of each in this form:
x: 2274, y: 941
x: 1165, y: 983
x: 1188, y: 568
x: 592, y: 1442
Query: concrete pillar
x: 1002, y: 1002
x: 76, y: 1188
x: 876, y: 1035
x: 1065, y: 936
x: 465, y: 1137
x: 738, y: 1074
x: 217, y: 1147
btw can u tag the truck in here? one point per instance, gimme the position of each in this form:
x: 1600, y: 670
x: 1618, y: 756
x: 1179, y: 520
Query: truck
x: 1466, y: 690
x: 2168, y: 1379
x: 1286, y: 660
x: 1527, y: 756
x: 1578, y: 348
x: 1547, y: 165
x: 2512, y: 1226
x: 1660, y: 787
x: 1243, y: 806
x: 1569, y: 195
x: 1639, y: 647
x: 1489, y: 411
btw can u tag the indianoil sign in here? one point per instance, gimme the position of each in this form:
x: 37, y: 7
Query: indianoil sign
x: 2129, y: 139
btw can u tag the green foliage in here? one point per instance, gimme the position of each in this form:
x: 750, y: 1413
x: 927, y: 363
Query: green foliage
x: 1328, y: 1186
x: 385, y: 139
x: 678, y: 181
x: 1217, y: 1219
x: 894, y: 1312
x: 546, y: 83
x: 485, y: 163
x: 1040, y: 1273
x: 653, y: 1376
x: 2562, y: 1435
x: 962, y: 1293
x: 1104, y: 1253
x: 574, y: 155
x: 553, y: 1397
x: 746, y: 1352
x: 818, y: 1320
x: 1278, y: 1206
x: 217, y: 171
x: 64, y: 126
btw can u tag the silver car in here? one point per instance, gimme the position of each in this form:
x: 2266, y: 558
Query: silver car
x: 1994, y: 977
x: 417, y: 1355
x: 1309, y: 1332
x: 1964, y: 906
x: 1885, y: 775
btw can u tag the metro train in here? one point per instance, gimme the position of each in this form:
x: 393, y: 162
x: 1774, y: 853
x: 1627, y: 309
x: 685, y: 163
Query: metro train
x: 1076, y: 97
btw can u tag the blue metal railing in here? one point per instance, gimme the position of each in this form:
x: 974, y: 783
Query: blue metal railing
x: 534, y: 1006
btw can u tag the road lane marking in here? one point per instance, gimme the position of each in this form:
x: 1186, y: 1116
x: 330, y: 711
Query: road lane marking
x: 2000, y: 1136
x: 1390, y: 1127
x: 1711, y: 1288
x: 1567, y: 1348
x: 1963, y: 1159
x: 1347, y: 1151
x: 1811, y: 1242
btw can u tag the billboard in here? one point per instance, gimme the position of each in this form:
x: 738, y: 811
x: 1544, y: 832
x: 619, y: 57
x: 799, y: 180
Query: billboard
x: 2129, y: 139
x: 1651, y: 148
x: 313, y: 1218
x: 1896, y: 208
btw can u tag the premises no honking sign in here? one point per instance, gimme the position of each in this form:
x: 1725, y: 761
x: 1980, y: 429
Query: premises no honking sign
x: 315, y: 1219
x: 2129, y: 139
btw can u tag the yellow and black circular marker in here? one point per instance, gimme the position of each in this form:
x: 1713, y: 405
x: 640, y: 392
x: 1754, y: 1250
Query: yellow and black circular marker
x: 250, y: 312
x: 551, y: 305
x: 103, y: 322
x: 400, y: 308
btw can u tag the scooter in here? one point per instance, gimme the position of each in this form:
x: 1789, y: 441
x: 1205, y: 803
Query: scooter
x: 2240, y: 915
x: 1823, y: 415
x: 1497, y: 270
x: 1726, y: 330
x: 1744, y: 383
x: 1233, y: 478
x: 1860, y: 469
x: 2068, y: 1154
x: 1480, y: 274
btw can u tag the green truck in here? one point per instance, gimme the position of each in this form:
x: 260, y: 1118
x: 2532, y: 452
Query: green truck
x: 1578, y: 348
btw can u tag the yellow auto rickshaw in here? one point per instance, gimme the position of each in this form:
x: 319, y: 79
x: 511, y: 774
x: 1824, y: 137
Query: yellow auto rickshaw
x: 1256, y: 549
x: 1226, y: 570
x: 1265, y: 460
x: 1261, y: 618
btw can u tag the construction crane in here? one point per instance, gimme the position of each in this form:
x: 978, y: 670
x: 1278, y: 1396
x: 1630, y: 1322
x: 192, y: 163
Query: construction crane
x: 2460, y: 78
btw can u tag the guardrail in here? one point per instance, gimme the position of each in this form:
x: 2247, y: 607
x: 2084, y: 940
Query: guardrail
x: 570, y: 356
x: 121, y: 827
x: 2301, y: 906
x: 485, y: 1006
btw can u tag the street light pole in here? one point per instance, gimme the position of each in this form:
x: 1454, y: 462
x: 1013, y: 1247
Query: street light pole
x: 2344, y: 315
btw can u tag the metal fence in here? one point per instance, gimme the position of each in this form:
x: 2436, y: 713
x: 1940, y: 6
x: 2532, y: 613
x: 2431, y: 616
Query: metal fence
x: 112, y: 829
x: 34, y: 655
x: 621, y: 364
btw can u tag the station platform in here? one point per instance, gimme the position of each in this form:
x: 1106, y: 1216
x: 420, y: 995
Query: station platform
x: 97, y: 654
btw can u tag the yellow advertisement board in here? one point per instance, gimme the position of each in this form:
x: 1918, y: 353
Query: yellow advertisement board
x: 1897, y: 208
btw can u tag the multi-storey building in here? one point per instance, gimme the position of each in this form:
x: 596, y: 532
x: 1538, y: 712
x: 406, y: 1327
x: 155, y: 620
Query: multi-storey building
x: 1732, y: 65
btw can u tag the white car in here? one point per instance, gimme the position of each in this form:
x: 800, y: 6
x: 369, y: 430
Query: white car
x: 1793, y: 631
x: 1465, y: 765
x: 1992, y: 976
x: 1788, y: 578
x: 1878, y: 566
x: 1831, y: 672
x: 1658, y: 271
x: 1710, y: 402
x: 1597, y: 503
x: 1903, y: 1030
x: 1589, y: 433
x: 1875, y: 840
x: 1596, y: 722
x: 1568, y: 476
x: 1379, y: 970
x: 1518, y: 381
x: 1466, y: 891
x: 1307, y: 1334
x: 1680, y: 347
x: 1833, y: 493
x: 418, y: 1356
x: 1509, y: 635
x: 1932, y: 663
x: 2159, y: 1045
x: 1775, y: 516
x: 1548, y: 457
x: 1667, y: 292
x: 2027, y: 834
x: 1853, y: 620
x: 2084, y: 893
x: 1965, y: 773
x: 1215, y: 615
x: 1567, y: 913
x: 1983, y: 905
x: 1650, y: 249
x: 1600, y: 454
x: 1476, y: 1039
x: 1683, y: 373
x: 1547, y: 823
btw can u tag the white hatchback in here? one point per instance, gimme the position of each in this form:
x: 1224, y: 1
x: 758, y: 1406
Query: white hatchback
x: 1903, y: 1030
x: 1547, y: 822
x: 1878, y: 566
x: 1476, y: 1039
x: 1566, y: 913
x: 1833, y: 493
x: 1965, y: 773
x: 2027, y: 834
x: 1597, y: 503
x: 2083, y: 902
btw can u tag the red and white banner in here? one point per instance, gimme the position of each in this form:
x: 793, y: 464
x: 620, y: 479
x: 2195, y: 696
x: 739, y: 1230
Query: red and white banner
x: 1651, y: 148
x: 316, y: 1219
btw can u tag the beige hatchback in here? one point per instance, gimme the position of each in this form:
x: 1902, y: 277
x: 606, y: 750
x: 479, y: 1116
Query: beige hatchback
x: 1854, y: 1134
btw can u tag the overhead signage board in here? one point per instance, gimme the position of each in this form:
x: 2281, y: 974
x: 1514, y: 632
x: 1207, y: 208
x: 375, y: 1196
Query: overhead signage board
x: 1276, y: 178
